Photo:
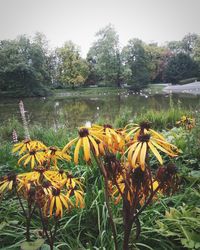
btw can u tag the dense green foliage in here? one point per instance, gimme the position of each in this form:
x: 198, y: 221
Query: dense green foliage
x: 28, y: 67
x: 24, y: 67
x: 104, y: 58
x: 72, y: 69
x: 136, y: 64
x: 180, y: 66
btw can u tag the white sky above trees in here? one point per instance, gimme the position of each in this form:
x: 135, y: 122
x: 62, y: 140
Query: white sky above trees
x: 79, y: 20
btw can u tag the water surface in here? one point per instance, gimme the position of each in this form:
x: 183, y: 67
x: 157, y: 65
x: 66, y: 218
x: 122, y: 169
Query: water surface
x: 73, y: 111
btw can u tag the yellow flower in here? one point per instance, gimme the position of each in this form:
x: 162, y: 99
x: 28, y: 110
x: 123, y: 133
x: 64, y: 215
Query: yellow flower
x: 33, y: 176
x: 54, y: 153
x: 33, y: 157
x: 188, y: 122
x: 27, y: 145
x: 78, y: 196
x: 22, y: 146
x: 56, y: 202
x: 87, y: 140
x: 57, y: 178
x: 144, y: 140
x: 111, y: 138
x: 72, y: 182
x: 8, y: 182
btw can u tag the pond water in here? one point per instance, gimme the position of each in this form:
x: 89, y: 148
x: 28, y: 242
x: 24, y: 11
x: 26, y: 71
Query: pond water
x: 74, y: 111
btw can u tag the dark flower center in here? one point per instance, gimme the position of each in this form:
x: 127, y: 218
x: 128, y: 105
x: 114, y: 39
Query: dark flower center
x: 32, y: 152
x: 46, y: 184
x: 11, y: 177
x: 27, y: 141
x: 56, y: 192
x: 53, y: 149
x: 83, y: 132
x: 40, y: 170
x: 145, y: 125
x: 61, y: 171
x: 144, y: 138
x: 107, y: 126
x: 69, y: 175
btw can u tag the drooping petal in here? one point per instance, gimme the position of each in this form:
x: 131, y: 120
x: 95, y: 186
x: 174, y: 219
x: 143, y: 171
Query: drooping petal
x: 86, y: 148
x: 162, y: 148
x: 156, y: 134
x: 130, y: 150
x: 32, y: 161
x: 135, y: 155
x: 59, y: 210
x: 22, y: 158
x: 76, y: 151
x: 51, y: 205
x: 27, y: 160
x: 69, y: 144
x: 155, y: 152
x: 94, y: 144
x: 3, y: 186
x: 143, y: 155
x: 62, y: 198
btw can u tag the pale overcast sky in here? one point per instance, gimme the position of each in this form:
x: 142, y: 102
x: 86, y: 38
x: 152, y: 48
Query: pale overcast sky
x: 79, y: 20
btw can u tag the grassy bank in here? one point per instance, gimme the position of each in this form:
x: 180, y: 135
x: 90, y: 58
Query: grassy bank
x: 92, y: 91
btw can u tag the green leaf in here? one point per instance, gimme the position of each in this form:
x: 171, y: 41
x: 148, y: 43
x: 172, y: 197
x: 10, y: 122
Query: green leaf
x: 13, y: 222
x: 47, y: 247
x: 197, y: 245
x: 35, y: 245
x: 2, y: 225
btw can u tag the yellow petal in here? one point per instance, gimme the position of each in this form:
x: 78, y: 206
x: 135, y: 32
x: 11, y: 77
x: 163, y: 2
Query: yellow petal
x: 79, y: 199
x: 143, y: 155
x: 3, y: 187
x: 10, y: 185
x: 59, y: 210
x: 162, y: 149
x: 76, y: 151
x: 27, y: 160
x: 135, y: 155
x: 130, y: 150
x: 157, y: 134
x: 69, y: 144
x: 86, y: 148
x: 131, y: 132
x: 94, y: 144
x: 22, y: 158
x: 51, y: 206
x: 23, y: 149
x: 32, y: 161
x: 155, y: 152
x: 16, y: 147
x: 62, y: 197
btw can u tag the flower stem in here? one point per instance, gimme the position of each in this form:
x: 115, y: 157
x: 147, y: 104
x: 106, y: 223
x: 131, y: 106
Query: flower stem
x: 106, y: 193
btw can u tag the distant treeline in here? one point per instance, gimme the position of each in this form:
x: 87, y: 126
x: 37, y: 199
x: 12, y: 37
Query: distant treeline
x: 28, y: 67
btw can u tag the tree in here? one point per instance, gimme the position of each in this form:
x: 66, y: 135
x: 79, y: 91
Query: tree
x: 157, y: 58
x: 104, y: 57
x: 175, y: 47
x: 72, y: 69
x: 180, y: 67
x: 136, y: 61
x: 49, y: 57
x: 197, y: 54
x: 188, y: 43
x: 22, y: 67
